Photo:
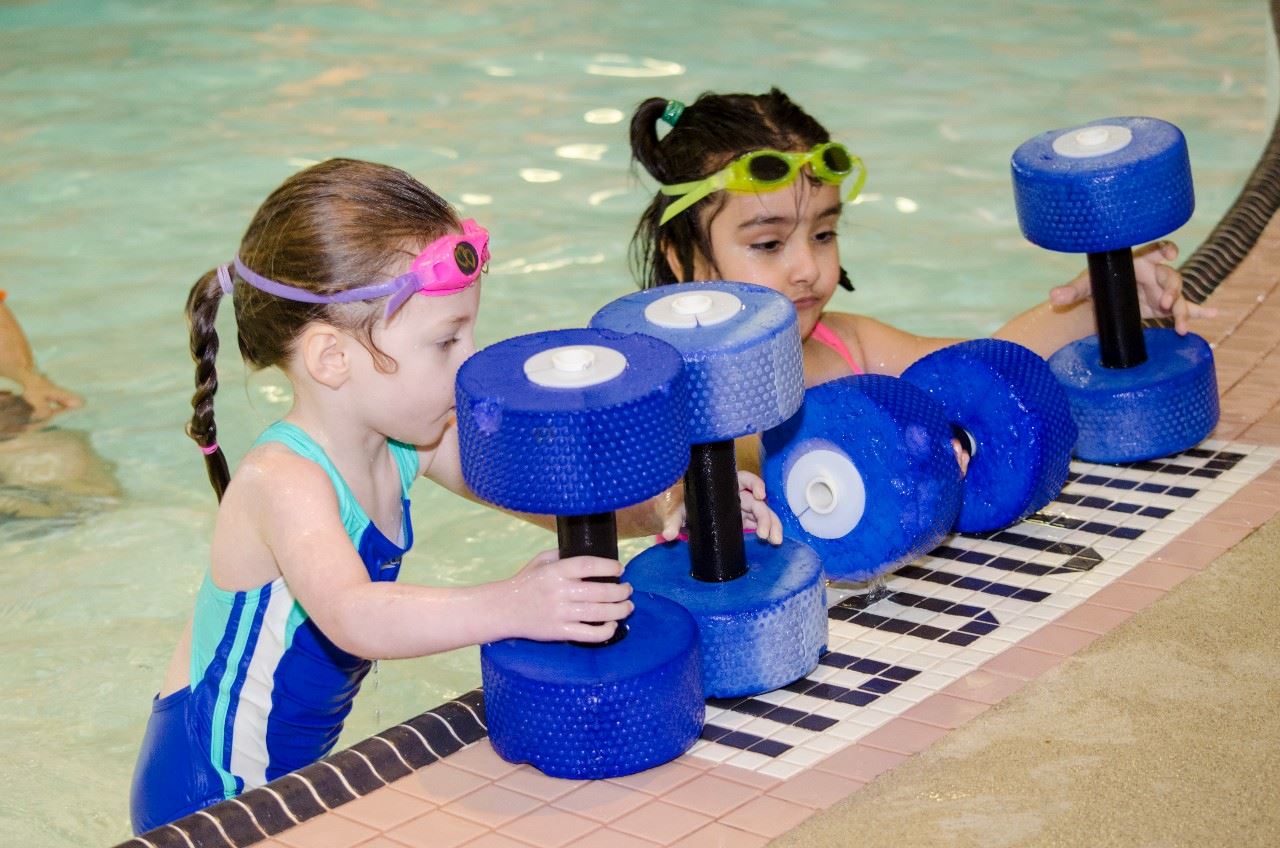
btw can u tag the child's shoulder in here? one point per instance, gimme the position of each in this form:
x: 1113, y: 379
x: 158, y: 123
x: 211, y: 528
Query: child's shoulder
x: 273, y: 475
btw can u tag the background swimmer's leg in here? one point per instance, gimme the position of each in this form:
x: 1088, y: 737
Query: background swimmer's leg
x: 58, y: 462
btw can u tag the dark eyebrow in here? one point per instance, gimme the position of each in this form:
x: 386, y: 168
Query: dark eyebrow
x: 767, y: 220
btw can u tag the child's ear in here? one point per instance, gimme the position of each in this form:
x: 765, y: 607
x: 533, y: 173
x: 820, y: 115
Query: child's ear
x: 702, y: 269
x: 673, y: 262
x: 326, y: 354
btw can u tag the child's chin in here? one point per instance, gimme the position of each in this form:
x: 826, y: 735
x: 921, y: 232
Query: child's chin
x: 430, y: 436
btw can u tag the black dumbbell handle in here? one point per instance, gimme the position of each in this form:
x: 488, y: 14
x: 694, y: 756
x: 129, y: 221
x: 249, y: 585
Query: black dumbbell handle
x: 591, y: 535
x: 716, y: 550
x: 588, y: 535
x: 1115, y: 306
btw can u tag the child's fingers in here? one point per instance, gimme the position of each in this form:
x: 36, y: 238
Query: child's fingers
x: 599, y: 592
x: 594, y: 613
x: 770, y: 527
x: 1197, y: 310
x: 590, y: 566
x: 545, y: 557
x: 1072, y: 292
x: 1158, y: 251
x: 757, y: 516
x: 1170, y: 282
x: 749, y: 482
x: 583, y: 632
x: 671, y: 526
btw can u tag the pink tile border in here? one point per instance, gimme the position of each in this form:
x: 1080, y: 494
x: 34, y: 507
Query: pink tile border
x: 767, y: 816
x: 547, y: 827
x: 661, y: 821
x: 945, y: 711
x: 860, y: 762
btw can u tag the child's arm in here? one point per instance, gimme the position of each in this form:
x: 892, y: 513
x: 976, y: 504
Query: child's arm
x: 300, y: 525
x: 1068, y: 314
x: 879, y: 347
x: 1045, y: 328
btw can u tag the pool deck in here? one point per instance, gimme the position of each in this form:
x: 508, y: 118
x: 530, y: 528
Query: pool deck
x: 473, y: 798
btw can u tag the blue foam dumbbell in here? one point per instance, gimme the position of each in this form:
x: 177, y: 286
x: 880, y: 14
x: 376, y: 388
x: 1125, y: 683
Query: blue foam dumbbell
x: 1099, y: 189
x: 761, y: 610
x: 864, y: 474
x: 579, y: 423
x: 1004, y: 402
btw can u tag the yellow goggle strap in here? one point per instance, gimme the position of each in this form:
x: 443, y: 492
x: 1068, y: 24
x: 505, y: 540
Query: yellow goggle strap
x: 693, y: 192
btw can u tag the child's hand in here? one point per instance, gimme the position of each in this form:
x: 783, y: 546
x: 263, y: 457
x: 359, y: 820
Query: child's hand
x: 756, y: 514
x: 1159, y: 287
x: 550, y: 599
x: 671, y: 512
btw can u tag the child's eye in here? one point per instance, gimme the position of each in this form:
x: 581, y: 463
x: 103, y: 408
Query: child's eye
x: 769, y: 246
x: 447, y: 343
x: 826, y: 236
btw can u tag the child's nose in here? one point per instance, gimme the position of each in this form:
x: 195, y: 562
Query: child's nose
x: 804, y: 265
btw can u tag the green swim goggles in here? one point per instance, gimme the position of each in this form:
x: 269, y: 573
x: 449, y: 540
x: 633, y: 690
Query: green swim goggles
x: 770, y: 170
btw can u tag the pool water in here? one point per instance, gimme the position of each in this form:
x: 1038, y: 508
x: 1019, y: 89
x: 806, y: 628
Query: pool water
x: 136, y: 139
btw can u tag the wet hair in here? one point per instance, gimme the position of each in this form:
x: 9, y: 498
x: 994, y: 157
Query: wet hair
x: 710, y: 133
x: 337, y: 225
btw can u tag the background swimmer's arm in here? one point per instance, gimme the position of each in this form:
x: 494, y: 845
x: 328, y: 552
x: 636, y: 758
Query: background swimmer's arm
x: 17, y: 363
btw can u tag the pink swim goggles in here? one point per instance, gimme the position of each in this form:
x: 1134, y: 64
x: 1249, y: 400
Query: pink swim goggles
x: 448, y: 265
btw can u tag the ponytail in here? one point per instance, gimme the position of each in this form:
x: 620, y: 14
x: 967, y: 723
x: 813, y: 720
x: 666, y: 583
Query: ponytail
x: 653, y: 245
x: 644, y: 138
x: 202, y: 314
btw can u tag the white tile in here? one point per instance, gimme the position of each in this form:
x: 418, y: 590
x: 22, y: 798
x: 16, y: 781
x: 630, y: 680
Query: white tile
x: 780, y: 770
x: 715, y: 753
x: 749, y: 760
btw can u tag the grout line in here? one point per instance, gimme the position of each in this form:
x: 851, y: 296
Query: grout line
x: 288, y: 812
x: 217, y: 824
x: 314, y: 793
x: 341, y: 777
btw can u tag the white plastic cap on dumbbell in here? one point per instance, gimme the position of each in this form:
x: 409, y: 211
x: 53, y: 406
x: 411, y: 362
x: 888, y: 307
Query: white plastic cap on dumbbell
x: 825, y: 491
x: 700, y: 308
x: 1093, y: 140
x: 574, y: 366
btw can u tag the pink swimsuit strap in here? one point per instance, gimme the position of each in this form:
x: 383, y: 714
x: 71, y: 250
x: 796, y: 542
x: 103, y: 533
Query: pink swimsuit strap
x: 825, y: 335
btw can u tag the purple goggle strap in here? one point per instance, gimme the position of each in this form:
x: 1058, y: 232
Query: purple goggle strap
x: 405, y: 284
x: 400, y: 289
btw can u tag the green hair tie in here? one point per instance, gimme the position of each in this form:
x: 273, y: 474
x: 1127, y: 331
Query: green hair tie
x: 672, y: 113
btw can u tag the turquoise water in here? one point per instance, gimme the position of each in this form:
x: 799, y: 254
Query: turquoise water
x: 137, y: 138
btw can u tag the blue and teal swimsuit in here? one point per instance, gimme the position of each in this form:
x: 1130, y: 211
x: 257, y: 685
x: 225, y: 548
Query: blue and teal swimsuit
x: 269, y: 692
